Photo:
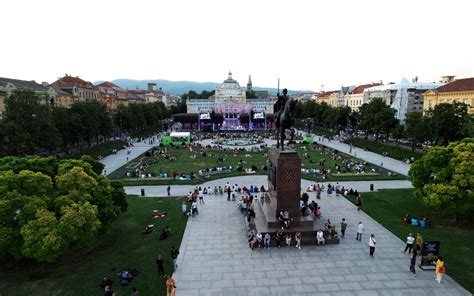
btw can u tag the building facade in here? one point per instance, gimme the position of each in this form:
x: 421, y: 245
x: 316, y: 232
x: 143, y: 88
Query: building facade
x: 112, y: 95
x: 461, y: 90
x: 8, y: 86
x: 80, y: 90
x: 231, y: 101
x: 355, y: 98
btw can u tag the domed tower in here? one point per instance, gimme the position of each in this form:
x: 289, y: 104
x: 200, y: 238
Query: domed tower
x: 249, y: 84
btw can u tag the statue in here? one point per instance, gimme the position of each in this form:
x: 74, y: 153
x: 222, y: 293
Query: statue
x: 285, y: 110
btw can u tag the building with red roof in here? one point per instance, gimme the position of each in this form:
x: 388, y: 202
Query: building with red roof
x: 460, y: 90
x: 74, y: 89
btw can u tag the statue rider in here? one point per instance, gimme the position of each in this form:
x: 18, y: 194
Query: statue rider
x: 280, y: 105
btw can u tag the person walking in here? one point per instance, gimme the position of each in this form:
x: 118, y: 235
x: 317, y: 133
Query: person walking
x: 413, y: 261
x: 358, y: 202
x: 201, y: 196
x: 170, y: 286
x: 410, y: 241
x: 343, y: 227
x: 184, y: 208
x: 161, y: 266
x: 440, y: 270
x: 174, y: 256
x: 168, y: 190
x: 298, y: 240
x: 360, y: 230
x: 372, y: 243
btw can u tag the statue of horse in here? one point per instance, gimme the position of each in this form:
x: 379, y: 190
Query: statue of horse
x: 285, y: 120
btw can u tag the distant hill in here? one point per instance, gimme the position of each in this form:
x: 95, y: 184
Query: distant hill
x: 180, y: 87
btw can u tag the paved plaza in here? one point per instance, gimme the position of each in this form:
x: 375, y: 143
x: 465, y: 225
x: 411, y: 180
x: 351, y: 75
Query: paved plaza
x: 215, y: 259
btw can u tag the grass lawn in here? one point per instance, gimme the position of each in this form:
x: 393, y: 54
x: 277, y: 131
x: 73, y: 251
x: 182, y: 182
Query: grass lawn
x: 393, y: 152
x: 457, y: 243
x: 103, y: 150
x: 124, y: 246
x: 184, y: 163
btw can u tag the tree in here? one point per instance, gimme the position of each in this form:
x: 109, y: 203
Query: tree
x: 444, y: 178
x: 42, y: 237
x: 377, y: 117
x: 449, y: 122
x: 416, y: 128
x: 79, y: 224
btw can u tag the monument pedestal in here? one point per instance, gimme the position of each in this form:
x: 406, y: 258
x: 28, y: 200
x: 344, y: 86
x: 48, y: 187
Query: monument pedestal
x: 284, y: 185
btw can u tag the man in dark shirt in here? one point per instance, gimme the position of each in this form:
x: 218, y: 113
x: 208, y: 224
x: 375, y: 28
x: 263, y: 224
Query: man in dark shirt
x: 161, y: 268
x: 174, y: 256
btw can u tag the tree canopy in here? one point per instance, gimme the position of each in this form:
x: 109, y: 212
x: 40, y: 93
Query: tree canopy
x: 444, y: 178
x: 48, y: 206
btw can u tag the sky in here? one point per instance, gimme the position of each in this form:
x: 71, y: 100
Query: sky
x: 307, y: 44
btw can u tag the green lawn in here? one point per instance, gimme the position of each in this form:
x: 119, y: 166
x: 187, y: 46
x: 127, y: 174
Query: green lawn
x: 457, y: 243
x: 103, y: 150
x: 124, y: 246
x: 184, y: 163
x: 393, y: 151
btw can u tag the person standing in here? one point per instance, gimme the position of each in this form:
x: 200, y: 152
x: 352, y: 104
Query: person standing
x: 410, y: 241
x: 343, y: 227
x: 360, y: 230
x: 372, y: 243
x: 174, y: 256
x: 168, y: 190
x: 419, y: 241
x: 161, y: 267
x: 413, y: 261
x: 440, y: 269
x: 184, y: 208
x: 201, y: 196
x: 298, y: 240
x: 228, y: 193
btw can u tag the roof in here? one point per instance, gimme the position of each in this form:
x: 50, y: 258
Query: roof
x: 180, y: 134
x: 69, y: 80
x: 107, y: 84
x: 25, y: 84
x: 360, y: 89
x: 466, y: 84
x: 404, y: 84
x: 63, y: 91
x: 328, y: 93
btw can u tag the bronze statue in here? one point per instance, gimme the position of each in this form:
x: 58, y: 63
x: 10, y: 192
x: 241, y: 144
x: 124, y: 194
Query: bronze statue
x: 285, y: 111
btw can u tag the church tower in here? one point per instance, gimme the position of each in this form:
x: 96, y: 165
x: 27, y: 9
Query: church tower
x: 249, y: 84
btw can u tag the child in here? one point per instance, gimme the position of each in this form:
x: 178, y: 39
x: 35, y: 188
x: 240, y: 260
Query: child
x: 318, y: 212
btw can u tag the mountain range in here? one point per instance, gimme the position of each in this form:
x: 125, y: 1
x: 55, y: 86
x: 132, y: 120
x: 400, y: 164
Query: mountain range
x: 180, y: 87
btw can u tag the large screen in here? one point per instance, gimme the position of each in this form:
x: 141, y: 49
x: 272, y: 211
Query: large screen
x: 258, y: 115
x: 205, y: 116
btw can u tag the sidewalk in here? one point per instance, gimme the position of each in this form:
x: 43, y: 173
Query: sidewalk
x: 259, y: 180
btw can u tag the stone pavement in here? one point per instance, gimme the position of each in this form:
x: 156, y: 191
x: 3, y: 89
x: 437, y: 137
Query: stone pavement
x: 215, y: 259
x: 259, y: 180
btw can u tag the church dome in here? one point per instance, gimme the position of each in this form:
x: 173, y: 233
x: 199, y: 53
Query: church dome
x: 230, y: 86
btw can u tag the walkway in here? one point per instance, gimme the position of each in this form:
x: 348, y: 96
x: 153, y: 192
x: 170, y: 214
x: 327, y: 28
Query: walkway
x: 259, y: 180
x: 215, y: 259
x: 377, y: 159
x: 113, y: 162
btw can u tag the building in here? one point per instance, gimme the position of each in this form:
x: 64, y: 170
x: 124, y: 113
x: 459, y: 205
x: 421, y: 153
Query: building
x: 80, y: 90
x: 404, y: 97
x: 231, y: 101
x: 328, y: 97
x: 112, y: 95
x: 8, y: 86
x: 355, y: 98
x: 149, y: 95
x: 461, y: 90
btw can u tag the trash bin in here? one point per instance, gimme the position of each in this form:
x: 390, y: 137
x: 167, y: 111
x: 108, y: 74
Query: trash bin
x: 143, y: 191
x: 371, y: 187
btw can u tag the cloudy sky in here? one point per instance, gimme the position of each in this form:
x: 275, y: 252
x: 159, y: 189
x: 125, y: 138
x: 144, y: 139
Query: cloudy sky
x: 305, y: 43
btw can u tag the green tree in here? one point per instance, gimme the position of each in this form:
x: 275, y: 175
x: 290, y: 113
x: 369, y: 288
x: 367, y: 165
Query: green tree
x: 377, y: 117
x: 42, y: 237
x: 79, y: 224
x: 416, y: 128
x: 119, y: 196
x: 449, y: 122
x: 444, y: 178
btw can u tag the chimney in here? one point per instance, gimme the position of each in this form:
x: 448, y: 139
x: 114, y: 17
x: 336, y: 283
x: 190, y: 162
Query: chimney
x: 151, y: 86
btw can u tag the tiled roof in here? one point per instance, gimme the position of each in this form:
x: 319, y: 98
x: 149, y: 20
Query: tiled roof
x: 69, y: 80
x: 458, y: 85
x: 328, y: 93
x: 25, y: 84
x: 360, y: 89
x: 108, y: 84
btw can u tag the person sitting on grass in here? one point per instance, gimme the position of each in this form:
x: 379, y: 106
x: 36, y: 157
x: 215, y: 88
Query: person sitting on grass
x: 108, y: 291
x: 148, y: 229
x: 125, y: 277
x: 414, y: 221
